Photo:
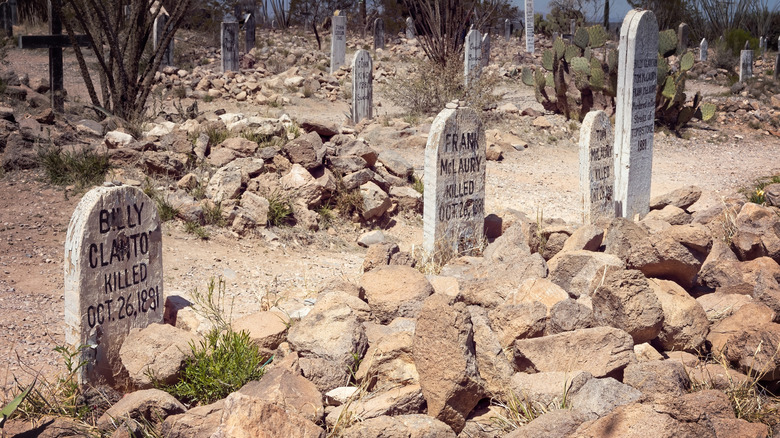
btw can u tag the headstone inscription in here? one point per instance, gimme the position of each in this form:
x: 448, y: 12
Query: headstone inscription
x: 597, y: 160
x: 113, y: 276
x: 507, y: 29
x: 703, y: 47
x: 529, y: 26
x: 379, y: 34
x: 362, y: 86
x: 338, y: 42
x: 472, y: 64
x: 160, y: 24
x: 454, y: 195
x: 683, y: 30
x: 229, y: 38
x: 745, y: 64
x: 54, y: 42
x: 250, y: 31
x: 635, y: 113
x: 411, y: 33
x: 485, y: 50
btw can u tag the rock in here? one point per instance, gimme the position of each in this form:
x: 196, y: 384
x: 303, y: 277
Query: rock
x: 389, y: 363
x: 19, y: 153
x: 600, y: 351
x: 361, y: 149
x: 256, y: 207
x: 401, y: 400
x: 393, y: 291
x: 569, y: 315
x: 556, y: 423
x: 586, y: 237
x: 600, y: 396
x: 645, y: 352
x: 242, y: 146
x: 493, y: 365
x: 772, y: 194
x: 445, y: 357
x: 346, y: 164
x: 402, y: 426
x: 371, y: 238
x: 198, y: 421
x: 266, y: 329
x: 158, y: 351
x: 762, y: 224
x: 379, y: 254
x: 395, y: 164
x: 324, y: 128
x: 245, y: 416
x: 548, y: 388
x: 375, y: 201
x: 304, y: 150
x: 685, y: 325
x: 540, y: 290
x: 542, y: 122
x: 665, y: 378
x: 494, y: 153
x: 302, y: 187
x: 343, y: 394
x: 670, y: 214
x: 518, y: 321
x: 626, y: 301
x: 681, y: 198
x: 148, y: 404
x: 289, y: 390
x: 718, y: 305
x: 227, y: 183
x: 407, y: 198
x: 637, y: 420
x: 580, y: 272
x: 170, y: 164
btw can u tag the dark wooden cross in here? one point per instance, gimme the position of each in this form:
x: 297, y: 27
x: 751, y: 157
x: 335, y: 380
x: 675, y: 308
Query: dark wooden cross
x: 54, y: 42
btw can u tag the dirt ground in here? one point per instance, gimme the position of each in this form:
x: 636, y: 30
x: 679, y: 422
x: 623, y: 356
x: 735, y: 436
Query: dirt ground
x: 540, y: 179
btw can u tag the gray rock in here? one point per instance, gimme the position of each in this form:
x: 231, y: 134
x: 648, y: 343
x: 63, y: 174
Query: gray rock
x: 600, y: 396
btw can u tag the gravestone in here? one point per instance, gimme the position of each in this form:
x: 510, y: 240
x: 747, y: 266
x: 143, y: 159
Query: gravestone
x: 597, y: 161
x: 745, y: 64
x: 338, y: 42
x: 54, y: 42
x: 454, y: 193
x: 683, y: 30
x: 485, y: 50
x: 362, y: 86
x: 160, y: 23
x: 762, y: 46
x: 529, y: 26
x: 472, y: 65
x: 6, y: 19
x: 507, y: 29
x: 411, y: 33
x: 635, y: 113
x: 379, y: 34
x: 250, y: 31
x: 572, y: 27
x: 113, y: 276
x: 703, y: 47
x: 229, y: 38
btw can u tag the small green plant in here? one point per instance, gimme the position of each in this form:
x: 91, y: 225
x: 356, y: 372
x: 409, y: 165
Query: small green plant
x: 179, y: 92
x: 10, y: 408
x: 756, y: 194
x: 519, y: 412
x: 256, y: 136
x: 212, y: 214
x: 279, y: 210
x: 211, y: 304
x: 418, y: 185
x: 208, y: 98
x: 85, y: 168
x: 216, y: 134
x: 326, y: 216
x: 353, y: 368
x: 195, y: 228
x: 165, y: 209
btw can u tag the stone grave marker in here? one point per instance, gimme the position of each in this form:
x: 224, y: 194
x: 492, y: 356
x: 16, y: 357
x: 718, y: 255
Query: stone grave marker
x: 472, y: 64
x: 597, y: 161
x: 362, y: 86
x: 250, y: 31
x: 229, y: 38
x: 454, y: 195
x: 338, y: 42
x: 507, y: 29
x: 485, y: 50
x: 529, y: 26
x: 54, y: 42
x: 745, y: 64
x: 113, y: 276
x: 777, y: 62
x: 703, y: 47
x: 411, y: 33
x: 158, y: 31
x: 635, y: 113
x: 379, y: 34
x: 762, y: 46
x: 6, y: 19
x: 683, y: 30
x: 572, y: 27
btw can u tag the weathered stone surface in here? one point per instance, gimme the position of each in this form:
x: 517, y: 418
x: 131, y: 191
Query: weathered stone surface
x: 637, y: 421
x: 557, y: 423
x: 540, y: 290
x: 658, y: 378
x: 304, y: 150
x: 721, y: 305
x: 407, y: 198
x: 401, y: 400
x: 626, y: 301
x: 685, y: 323
x: 19, y: 153
x: 198, y: 421
x: 494, y: 367
x: 518, y: 321
x: 580, y: 272
x: 600, y: 396
x: 379, y: 254
x: 375, y: 201
x: 670, y: 214
x: 289, y: 390
x: 227, y: 183
x: 681, y: 198
x: 148, y: 404
x: 394, y: 291
x: 757, y: 278
x: 587, y: 237
x: 569, y: 315
x: 445, y: 357
x: 266, y: 329
x: 402, y: 426
x: 763, y: 223
x: 245, y: 416
x: 301, y: 187
x: 395, y: 164
x: 548, y: 388
x: 599, y: 351
x: 256, y: 207
x: 158, y: 350
x: 389, y: 362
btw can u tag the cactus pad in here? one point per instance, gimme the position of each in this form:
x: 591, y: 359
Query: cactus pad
x: 707, y: 111
x: 548, y: 60
x: 598, y: 36
x: 571, y: 52
x: 685, y: 116
x: 669, y: 89
x: 612, y: 60
x: 559, y: 47
x: 528, y: 76
x: 581, y: 38
x: 686, y: 61
x: 586, y: 53
x: 663, y: 70
x: 580, y: 65
x: 667, y: 42
x: 596, y: 77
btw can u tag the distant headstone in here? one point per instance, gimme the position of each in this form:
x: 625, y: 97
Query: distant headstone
x: 745, y: 65
x: 338, y: 42
x: 362, y: 86
x: 113, y: 276
x: 572, y: 26
x: 529, y: 26
x: 597, y: 161
x: 762, y: 46
x: 555, y: 36
x: 472, y: 65
x: 411, y: 33
x: 454, y: 195
x: 250, y: 31
x: 6, y: 19
x: 777, y: 65
x: 160, y: 24
x: 14, y: 12
x: 635, y: 113
x: 485, y: 50
x: 683, y: 30
x: 379, y: 34
x: 507, y: 29
x: 703, y: 47
x: 230, y: 61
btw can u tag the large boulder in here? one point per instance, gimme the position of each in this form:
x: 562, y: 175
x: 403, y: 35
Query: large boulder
x: 389, y: 362
x: 681, y: 198
x: 626, y: 301
x: 246, y: 416
x: 375, y: 201
x: 600, y: 396
x: 305, y: 150
x: 658, y: 378
x: 569, y: 315
x: 227, y: 183
x: 395, y: 291
x: 580, y: 272
x: 148, y: 405
x: 759, y: 224
x: 266, y: 329
x: 401, y: 400
x: 518, y: 321
x: 157, y: 352
x: 494, y: 367
x: 445, y: 357
x: 685, y: 323
x: 290, y: 390
x: 198, y: 421
x: 402, y: 426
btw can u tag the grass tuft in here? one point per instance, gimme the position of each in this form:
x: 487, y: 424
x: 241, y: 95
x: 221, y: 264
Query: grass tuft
x: 83, y: 169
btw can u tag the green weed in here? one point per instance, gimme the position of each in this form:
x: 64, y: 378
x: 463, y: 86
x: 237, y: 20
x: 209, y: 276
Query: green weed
x: 279, y: 210
x: 212, y: 213
x: 196, y: 229
x: 418, y: 184
x: 85, y: 168
x: 165, y: 209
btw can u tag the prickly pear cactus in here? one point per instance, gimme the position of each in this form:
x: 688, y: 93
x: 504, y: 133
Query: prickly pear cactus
x: 570, y: 52
x: 598, y: 36
x: 707, y: 111
x: 528, y: 76
x: 559, y: 47
x: 686, y: 62
x: 667, y: 43
x: 548, y: 58
x: 581, y: 38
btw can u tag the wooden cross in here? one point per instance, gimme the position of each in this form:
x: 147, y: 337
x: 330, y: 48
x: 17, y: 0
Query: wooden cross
x: 54, y: 42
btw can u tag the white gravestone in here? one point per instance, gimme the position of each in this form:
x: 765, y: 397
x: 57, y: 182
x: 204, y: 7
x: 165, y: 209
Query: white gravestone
x: 379, y: 34
x: 507, y: 29
x: 454, y: 195
x: 229, y: 38
x: 529, y: 26
x: 745, y: 65
x: 362, y: 86
x: 410, y: 31
x: 472, y: 65
x: 703, y: 47
x: 762, y: 46
x: 250, y: 26
x: 682, y: 38
x: 777, y: 63
x: 597, y: 160
x: 158, y: 32
x: 338, y: 42
x: 113, y: 276
x: 485, y: 50
x: 635, y: 113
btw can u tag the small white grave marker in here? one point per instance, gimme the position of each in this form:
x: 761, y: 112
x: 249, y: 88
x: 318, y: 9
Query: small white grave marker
x: 362, y: 86
x: 410, y: 31
x: 529, y: 26
x: 338, y: 42
x: 379, y: 34
x: 454, y: 195
x: 507, y: 29
x: 113, y: 276
x: 473, y: 57
x: 230, y: 43
x: 745, y: 64
x: 485, y: 50
x: 597, y: 160
x: 160, y: 23
x: 703, y: 47
x: 635, y: 113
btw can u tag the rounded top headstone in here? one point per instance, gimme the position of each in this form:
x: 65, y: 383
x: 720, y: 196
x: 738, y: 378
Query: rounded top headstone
x: 229, y: 18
